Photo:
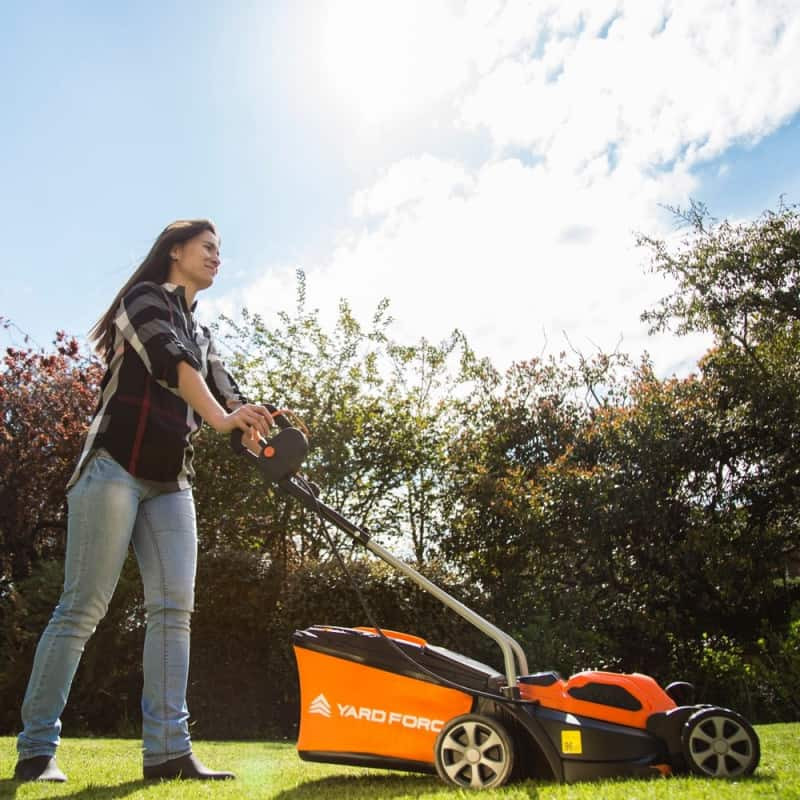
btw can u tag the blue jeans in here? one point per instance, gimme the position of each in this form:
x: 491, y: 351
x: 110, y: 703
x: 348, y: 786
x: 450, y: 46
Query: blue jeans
x: 108, y: 510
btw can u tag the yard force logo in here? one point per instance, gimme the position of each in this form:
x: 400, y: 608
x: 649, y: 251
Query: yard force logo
x: 320, y: 705
x: 380, y: 716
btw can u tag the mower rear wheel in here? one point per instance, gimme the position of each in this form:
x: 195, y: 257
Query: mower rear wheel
x: 720, y: 743
x: 474, y: 752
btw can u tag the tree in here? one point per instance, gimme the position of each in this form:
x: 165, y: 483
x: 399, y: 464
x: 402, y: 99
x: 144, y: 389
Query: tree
x: 518, y: 529
x: 604, y: 516
x: 47, y: 401
x: 741, y: 281
x: 613, y: 516
x: 378, y: 417
x: 742, y: 284
x: 379, y: 420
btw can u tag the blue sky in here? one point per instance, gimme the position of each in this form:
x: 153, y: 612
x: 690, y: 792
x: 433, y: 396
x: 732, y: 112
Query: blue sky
x: 484, y: 165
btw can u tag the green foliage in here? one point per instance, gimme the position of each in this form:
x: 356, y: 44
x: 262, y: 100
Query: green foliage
x: 604, y: 516
x: 106, y: 692
x: 243, y: 674
x: 378, y: 414
x: 625, y: 510
x: 47, y: 399
x: 739, y: 281
x: 759, y: 678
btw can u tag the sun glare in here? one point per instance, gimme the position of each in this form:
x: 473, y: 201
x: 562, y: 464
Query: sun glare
x: 384, y: 60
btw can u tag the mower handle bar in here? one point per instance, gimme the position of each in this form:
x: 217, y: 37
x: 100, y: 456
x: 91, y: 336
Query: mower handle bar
x: 509, y: 647
x: 301, y: 491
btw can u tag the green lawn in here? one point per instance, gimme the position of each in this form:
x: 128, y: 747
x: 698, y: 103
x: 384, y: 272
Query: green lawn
x: 108, y: 769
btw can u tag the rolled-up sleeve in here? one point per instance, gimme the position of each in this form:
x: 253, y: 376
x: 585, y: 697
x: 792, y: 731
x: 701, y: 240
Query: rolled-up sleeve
x: 220, y: 381
x: 146, y: 321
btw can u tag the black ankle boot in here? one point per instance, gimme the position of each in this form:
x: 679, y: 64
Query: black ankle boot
x: 185, y: 768
x: 39, y: 768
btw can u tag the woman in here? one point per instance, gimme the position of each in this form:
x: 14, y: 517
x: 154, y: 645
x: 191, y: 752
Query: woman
x: 132, y: 484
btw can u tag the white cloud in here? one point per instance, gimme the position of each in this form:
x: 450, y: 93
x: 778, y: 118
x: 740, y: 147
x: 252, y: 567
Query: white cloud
x: 425, y: 180
x: 510, y: 254
x: 272, y: 291
x: 669, y: 80
x: 597, y: 113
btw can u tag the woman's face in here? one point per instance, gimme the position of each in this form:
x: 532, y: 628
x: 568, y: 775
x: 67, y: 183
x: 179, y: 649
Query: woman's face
x: 195, y: 262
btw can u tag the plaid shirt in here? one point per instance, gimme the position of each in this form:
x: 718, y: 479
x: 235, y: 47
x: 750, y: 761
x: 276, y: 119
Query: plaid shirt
x: 141, y: 420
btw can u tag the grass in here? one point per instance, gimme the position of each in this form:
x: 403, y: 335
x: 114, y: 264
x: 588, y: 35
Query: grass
x: 110, y: 769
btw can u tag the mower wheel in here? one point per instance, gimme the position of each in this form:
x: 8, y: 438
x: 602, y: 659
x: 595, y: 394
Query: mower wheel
x: 720, y: 743
x: 474, y: 751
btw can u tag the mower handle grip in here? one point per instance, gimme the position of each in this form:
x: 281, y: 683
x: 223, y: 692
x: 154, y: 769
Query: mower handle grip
x: 279, y: 418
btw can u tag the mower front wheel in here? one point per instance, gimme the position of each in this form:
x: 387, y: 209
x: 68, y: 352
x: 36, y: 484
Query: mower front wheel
x: 474, y: 751
x: 720, y: 743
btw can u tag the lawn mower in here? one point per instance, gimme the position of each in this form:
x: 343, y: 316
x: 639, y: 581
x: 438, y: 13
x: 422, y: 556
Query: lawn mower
x: 381, y: 698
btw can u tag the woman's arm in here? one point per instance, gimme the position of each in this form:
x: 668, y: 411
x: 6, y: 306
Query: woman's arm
x: 193, y: 389
x: 219, y: 380
x: 145, y: 320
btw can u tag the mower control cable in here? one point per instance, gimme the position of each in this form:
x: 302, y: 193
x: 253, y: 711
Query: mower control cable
x: 280, y: 460
x: 308, y: 487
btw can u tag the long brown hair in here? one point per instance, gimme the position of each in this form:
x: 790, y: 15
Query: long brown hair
x: 155, y: 268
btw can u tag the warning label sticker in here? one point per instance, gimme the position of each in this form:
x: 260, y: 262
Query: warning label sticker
x: 571, y: 743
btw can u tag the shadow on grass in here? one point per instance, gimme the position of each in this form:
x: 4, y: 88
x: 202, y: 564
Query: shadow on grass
x: 369, y: 787
x: 758, y: 777
x: 8, y: 788
x: 356, y: 786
